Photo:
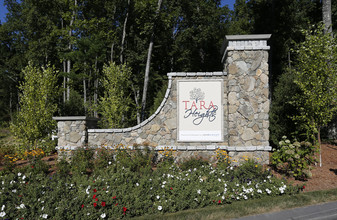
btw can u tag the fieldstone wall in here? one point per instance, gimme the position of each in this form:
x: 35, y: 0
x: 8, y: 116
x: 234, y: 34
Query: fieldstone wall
x: 160, y: 129
x: 72, y: 131
x: 245, y: 111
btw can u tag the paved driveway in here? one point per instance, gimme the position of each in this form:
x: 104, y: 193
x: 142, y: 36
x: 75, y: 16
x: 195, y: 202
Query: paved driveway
x: 325, y: 211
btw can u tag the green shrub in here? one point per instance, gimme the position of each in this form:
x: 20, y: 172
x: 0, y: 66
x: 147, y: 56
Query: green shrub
x: 192, y: 163
x: 81, y: 161
x: 63, y: 168
x: 37, y: 105
x: 294, y: 159
x: 251, y: 170
x: 123, y: 193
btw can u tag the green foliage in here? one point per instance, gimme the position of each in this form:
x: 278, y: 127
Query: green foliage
x: 122, y: 193
x: 251, y: 170
x: 294, y: 159
x: 81, y: 161
x: 282, y: 111
x: 63, y: 168
x: 73, y: 107
x: 115, y: 104
x: 223, y: 159
x: 316, y: 77
x: 192, y: 163
x: 34, y: 120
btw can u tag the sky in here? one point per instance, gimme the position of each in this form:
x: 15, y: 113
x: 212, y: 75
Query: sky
x: 3, y: 9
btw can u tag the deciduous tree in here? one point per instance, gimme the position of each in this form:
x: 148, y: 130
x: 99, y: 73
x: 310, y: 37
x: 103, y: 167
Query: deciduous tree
x: 316, y: 77
x: 37, y: 105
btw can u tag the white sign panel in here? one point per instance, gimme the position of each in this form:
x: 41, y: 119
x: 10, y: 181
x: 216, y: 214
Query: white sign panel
x: 200, y: 111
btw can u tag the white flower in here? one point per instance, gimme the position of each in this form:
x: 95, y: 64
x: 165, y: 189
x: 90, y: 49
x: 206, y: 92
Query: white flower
x: 223, y: 197
x: 45, y: 216
x: 219, y: 179
x: 103, y: 215
x: 19, y: 174
x: 42, y: 208
x: 199, y: 191
x: 109, y: 162
x: 259, y: 191
x: 14, y: 190
x: 2, y: 214
x: 137, y: 184
x: 160, y: 207
x: 158, y: 197
x: 88, y: 213
x: 3, y: 207
x: 164, y: 182
x: 162, y: 186
x: 87, y: 190
x: 24, y: 177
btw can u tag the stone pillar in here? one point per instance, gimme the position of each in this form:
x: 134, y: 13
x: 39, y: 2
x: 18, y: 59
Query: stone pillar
x: 248, y: 91
x: 73, y: 131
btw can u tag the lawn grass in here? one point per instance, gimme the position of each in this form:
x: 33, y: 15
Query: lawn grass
x: 252, y: 207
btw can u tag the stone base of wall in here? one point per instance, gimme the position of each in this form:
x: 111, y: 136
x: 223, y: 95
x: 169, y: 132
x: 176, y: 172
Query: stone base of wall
x: 238, y: 155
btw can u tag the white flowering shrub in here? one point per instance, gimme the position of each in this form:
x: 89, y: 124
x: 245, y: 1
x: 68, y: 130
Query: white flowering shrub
x: 117, y: 193
x: 294, y: 159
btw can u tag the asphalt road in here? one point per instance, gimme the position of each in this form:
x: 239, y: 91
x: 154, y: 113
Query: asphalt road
x: 325, y: 211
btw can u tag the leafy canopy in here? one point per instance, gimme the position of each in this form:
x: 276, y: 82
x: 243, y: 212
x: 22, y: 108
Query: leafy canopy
x: 316, y: 77
x: 116, y: 101
x: 34, y: 120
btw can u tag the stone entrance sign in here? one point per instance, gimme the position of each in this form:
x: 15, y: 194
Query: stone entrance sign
x: 200, y: 111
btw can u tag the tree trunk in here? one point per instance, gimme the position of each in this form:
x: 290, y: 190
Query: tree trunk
x: 147, y: 68
x: 112, y: 52
x: 68, y: 79
x: 136, y: 96
x: 96, y: 88
x: 64, y: 81
x: 10, y: 103
x: 70, y: 46
x: 84, y: 94
x: 320, y: 146
x: 326, y: 14
x: 124, y: 34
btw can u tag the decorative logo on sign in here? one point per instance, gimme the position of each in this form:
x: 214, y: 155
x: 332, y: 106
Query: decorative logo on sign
x: 199, y: 110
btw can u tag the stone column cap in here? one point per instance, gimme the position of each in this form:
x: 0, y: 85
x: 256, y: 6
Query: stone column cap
x: 248, y: 37
x: 244, y: 42
x: 74, y: 118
